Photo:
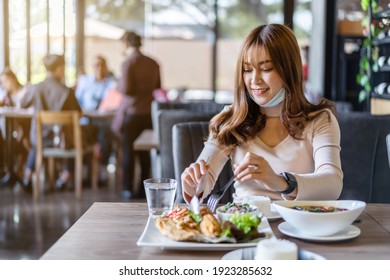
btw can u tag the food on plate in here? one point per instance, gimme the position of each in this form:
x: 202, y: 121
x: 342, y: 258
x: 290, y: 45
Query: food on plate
x: 318, y: 209
x: 209, y: 225
x: 276, y: 249
x: 183, y: 225
x: 243, y: 227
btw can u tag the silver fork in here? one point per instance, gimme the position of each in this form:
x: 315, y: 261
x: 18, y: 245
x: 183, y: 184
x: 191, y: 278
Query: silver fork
x: 214, y: 199
x: 195, y: 203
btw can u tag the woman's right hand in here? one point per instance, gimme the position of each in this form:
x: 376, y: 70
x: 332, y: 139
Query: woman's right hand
x: 191, y: 176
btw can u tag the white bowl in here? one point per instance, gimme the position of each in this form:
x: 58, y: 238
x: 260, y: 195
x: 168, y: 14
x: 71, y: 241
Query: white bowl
x: 223, y: 216
x: 263, y: 203
x: 320, y: 224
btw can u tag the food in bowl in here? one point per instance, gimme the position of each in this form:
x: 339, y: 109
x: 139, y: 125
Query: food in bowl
x: 263, y: 203
x: 318, y: 209
x: 320, y: 223
x: 228, y: 210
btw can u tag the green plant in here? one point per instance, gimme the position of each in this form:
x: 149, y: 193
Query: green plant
x: 369, y: 56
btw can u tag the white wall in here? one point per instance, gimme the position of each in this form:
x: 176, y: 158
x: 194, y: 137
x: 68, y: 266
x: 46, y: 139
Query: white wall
x: 183, y: 63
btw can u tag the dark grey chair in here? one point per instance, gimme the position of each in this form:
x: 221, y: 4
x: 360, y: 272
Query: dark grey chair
x: 364, y: 156
x: 199, y: 107
x: 167, y: 118
x: 388, y: 147
x: 188, y: 142
x: 343, y: 107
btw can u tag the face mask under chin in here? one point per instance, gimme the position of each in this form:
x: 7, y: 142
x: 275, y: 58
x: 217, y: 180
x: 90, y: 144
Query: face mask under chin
x: 276, y: 100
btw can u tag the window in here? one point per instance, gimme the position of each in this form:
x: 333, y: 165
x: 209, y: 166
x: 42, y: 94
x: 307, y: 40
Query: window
x: 18, y: 38
x: 36, y: 28
x: 237, y: 18
x: 39, y: 41
x: 180, y: 35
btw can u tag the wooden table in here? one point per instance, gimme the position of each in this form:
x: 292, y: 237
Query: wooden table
x: 99, y: 114
x: 111, y: 231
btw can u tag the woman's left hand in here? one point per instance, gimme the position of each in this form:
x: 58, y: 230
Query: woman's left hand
x: 255, y: 167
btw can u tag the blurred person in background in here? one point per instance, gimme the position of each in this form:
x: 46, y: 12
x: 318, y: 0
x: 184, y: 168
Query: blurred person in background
x: 14, y: 92
x: 91, y: 89
x: 3, y: 171
x: 140, y: 76
x: 53, y: 95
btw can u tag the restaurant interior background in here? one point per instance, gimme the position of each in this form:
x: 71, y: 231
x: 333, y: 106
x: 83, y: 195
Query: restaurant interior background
x: 206, y: 35
x: 196, y: 43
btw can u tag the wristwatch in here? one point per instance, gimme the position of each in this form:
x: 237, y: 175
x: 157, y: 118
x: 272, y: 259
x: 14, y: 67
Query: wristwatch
x: 291, y: 182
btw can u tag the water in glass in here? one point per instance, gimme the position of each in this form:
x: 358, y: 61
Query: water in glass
x: 160, y: 195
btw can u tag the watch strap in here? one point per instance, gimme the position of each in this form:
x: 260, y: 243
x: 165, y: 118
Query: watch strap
x: 291, y: 182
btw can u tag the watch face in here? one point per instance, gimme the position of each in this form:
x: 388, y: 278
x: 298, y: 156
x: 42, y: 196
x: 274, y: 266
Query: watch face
x: 290, y: 177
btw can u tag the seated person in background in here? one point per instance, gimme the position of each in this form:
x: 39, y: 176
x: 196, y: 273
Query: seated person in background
x: 51, y: 94
x: 14, y: 93
x: 13, y: 89
x: 90, y: 91
x: 2, y: 162
x: 80, y: 72
x: 92, y: 88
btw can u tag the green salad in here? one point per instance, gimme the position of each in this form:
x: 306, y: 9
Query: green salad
x: 243, y: 227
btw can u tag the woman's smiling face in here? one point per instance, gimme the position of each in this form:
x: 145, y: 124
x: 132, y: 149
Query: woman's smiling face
x: 260, y: 77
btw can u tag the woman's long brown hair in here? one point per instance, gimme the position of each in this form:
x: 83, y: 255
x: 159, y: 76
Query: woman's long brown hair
x: 243, y: 120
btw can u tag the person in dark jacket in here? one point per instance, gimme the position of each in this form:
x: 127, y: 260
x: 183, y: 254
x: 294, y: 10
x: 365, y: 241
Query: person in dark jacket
x: 53, y: 95
x: 140, y: 76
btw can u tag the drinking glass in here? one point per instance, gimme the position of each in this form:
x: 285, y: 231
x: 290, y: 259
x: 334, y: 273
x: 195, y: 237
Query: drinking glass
x: 160, y: 195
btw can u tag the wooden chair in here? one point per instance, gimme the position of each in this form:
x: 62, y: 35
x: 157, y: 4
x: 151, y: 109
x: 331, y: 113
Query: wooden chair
x: 77, y: 151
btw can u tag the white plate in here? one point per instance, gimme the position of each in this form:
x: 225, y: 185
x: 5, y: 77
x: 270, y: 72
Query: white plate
x: 348, y: 233
x: 249, y: 254
x: 151, y: 237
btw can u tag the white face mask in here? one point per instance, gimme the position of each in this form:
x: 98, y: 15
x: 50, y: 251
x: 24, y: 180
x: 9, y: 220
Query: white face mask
x: 276, y: 99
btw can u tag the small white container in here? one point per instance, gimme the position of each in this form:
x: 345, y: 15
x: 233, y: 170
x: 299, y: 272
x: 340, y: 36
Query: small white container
x: 276, y: 249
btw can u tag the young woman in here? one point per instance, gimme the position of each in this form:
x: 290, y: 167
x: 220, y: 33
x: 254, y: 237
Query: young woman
x: 280, y: 145
x: 14, y: 89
